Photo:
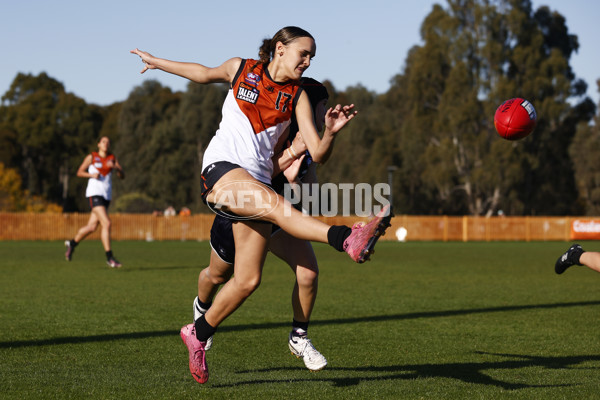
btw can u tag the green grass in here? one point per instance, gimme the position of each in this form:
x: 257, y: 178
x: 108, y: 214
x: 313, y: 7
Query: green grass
x: 420, y: 321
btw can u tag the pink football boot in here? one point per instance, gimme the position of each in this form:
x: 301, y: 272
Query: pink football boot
x: 198, y: 366
x: 361, y: 242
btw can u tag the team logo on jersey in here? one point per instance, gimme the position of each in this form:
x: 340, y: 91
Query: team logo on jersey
x: 97, y: 162
x: 247, y: 93
x: 252, y: 78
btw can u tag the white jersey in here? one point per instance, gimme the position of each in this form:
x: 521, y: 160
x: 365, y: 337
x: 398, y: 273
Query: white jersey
x: 101, y: 186
x: 256, y: 112
x: 235, y: 142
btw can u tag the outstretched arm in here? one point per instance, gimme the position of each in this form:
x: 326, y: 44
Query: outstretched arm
x: 193, y: 71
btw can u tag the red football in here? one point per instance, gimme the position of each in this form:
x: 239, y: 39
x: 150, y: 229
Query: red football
x: 515, y: 119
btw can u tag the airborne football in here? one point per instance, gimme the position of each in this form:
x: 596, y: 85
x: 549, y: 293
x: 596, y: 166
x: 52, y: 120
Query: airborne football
x: 515, y: 119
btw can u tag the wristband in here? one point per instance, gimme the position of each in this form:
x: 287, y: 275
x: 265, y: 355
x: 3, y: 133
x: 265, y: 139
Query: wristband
x: 291, y: 148
x: 289, y: 153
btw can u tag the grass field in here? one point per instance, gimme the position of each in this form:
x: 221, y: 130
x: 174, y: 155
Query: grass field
x: 421, y: 321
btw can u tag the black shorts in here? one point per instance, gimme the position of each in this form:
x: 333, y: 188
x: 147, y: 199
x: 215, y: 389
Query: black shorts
x: 210, y: 176
x: 221, y: 238
x: 96, y: 201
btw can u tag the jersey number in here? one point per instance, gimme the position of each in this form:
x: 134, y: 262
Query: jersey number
x: 283, y: 99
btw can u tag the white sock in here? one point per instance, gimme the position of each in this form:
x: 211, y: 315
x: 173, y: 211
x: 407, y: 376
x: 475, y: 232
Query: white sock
x: 198, y: 311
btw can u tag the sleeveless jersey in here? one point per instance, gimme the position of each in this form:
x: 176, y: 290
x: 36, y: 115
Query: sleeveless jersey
x: 256, y: 112
x: 103, y: 185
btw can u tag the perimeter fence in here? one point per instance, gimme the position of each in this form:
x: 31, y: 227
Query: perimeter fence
x: 31, y: 226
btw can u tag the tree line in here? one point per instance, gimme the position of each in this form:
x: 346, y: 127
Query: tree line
x: 434, y: 126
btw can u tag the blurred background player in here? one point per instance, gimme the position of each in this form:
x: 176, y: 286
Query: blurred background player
x: 98, y: 167
x: 577, y: 256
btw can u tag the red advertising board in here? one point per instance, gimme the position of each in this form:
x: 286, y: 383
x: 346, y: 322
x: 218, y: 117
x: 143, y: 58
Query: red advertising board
x: 585, y: 229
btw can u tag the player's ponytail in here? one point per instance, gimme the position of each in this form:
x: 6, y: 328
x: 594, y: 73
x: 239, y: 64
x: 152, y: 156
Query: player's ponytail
x: 265, y: 52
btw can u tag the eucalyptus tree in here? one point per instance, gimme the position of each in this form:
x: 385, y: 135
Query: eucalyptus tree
x: 162, y: 137
x: 475, y: 54
x: 585, y: 153
x: 48, y: 131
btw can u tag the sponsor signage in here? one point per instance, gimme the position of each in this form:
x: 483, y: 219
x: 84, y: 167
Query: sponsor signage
x: 585, y: 229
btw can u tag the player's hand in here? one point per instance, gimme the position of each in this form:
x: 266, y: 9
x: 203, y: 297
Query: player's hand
x: 147, y: 59
x: 95, y: 175
x: 298, y: 144
x: 291, y: 172
x: 336, y: 118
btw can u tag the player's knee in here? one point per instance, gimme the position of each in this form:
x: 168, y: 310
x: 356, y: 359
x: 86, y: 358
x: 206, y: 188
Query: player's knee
x: 276, y: 213
x: 218, y: 278
x: 307, y: 277
x: 247, y: 287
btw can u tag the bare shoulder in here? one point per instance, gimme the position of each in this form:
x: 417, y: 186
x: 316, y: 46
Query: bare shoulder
x: 88, y: 159
x: 232, y: 65
x: 224, y: 72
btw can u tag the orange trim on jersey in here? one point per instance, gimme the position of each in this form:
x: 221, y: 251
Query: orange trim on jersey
x: 265, y: 102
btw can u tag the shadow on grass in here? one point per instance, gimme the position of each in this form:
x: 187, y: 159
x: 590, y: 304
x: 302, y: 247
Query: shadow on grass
x: 157, y: 268
x: 86, y: 339
x: 468, y: 372
x: 416, y: 315
x: 274, y: 325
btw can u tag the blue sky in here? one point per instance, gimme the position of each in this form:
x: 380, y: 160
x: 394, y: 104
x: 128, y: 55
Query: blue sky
x: 85, y: 45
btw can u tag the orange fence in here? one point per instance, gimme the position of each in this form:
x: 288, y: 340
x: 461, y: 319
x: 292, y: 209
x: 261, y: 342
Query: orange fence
x: 30, y: 226
x: 484, y: 229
